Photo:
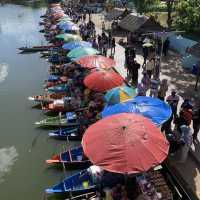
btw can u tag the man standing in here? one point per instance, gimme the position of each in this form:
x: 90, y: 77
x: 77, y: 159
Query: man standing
x: 196, y: 120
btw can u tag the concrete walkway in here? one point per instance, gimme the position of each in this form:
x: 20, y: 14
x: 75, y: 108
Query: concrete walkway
x: 184, y: 83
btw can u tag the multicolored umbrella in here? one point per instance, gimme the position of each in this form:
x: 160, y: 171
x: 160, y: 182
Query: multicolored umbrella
x: 96, y: 61
x: 66, y: 37
x: 102, y: 81
x: 120, y: 94
x: 81, y: 51
x: 125, y: 143
x: 76, y: 44
x: 156, y: 110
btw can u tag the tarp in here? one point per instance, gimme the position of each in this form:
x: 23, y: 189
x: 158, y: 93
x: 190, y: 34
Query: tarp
x: 180, y: 44
x: 188, y: 62
x: 156, y: 110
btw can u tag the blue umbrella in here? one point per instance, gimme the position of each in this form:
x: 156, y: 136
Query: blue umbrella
x: 156, y: 110
x: 70, y: 27
x: 64, y: 24
x: 76, y: 44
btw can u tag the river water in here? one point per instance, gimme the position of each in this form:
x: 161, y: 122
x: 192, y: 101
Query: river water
x: 23, y: 148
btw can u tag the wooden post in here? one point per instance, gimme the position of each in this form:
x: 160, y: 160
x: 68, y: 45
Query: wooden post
x: 197, y: 77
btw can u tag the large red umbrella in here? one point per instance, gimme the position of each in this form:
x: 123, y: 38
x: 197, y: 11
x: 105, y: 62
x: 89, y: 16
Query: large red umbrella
x: 101, y: 81
x: 96, y: 61
x: 125, y: 143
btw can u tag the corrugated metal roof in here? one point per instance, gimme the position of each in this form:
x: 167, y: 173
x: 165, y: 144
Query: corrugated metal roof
x: 114, y: 13
x: 133, y: 22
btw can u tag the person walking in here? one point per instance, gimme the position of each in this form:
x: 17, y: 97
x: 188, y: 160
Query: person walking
x: 173, y: 100
x: 186, y: 142
x: 150, y: 66
x: 154, y: 85
x: 145, y: 56
x: 163, y: 89
x: 103, y: 27
x: 166, y: 47
x: 196, y: 120
x: 113, y: 45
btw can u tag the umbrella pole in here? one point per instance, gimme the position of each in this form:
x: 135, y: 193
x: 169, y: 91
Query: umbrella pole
x: 197, y: 79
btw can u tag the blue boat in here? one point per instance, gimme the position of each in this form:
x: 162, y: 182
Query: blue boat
x: 80, y: 183
x: 72, y: 158
x: 58, y: 88
x: 69, y: 133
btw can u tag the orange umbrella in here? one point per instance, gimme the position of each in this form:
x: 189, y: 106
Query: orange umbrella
x: 101, y: 81
x: 125, y: 143
x: 96, y: 61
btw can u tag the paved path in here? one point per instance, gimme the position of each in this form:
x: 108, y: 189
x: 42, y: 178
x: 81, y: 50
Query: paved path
x: 184, y: 83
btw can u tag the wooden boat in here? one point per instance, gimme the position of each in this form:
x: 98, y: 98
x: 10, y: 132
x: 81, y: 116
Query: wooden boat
x: 53, y: 83
x: 72, y: 158
x: 36, y: 48
x: 58, y: 88
x: 68, y: 120
x: 70, y: 133
x: 47, y: 98
x: 79, y: 183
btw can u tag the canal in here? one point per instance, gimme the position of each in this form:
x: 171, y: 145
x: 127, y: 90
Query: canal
x: 23, y: 148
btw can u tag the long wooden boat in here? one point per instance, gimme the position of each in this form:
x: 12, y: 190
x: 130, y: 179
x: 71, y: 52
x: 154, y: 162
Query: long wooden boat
x: 70, y: 133
x: 79, y: 183
x: 59, y: 88
x: 72, y: 158
x: 47, y: 98
x: 59, y: 121
x: 36, y: 48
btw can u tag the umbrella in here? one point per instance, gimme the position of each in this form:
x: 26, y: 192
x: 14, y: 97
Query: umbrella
x: 81, y: 51
x: 156, y: 110
x: 102, y: 81
x: 76, y: 44
x: 147, y: 45
x: 65, y: 24
x: 65, y: 19
x: 68, y: 37
x: 96, y: 61
x: 125, y: 143
x: 70, y: 27
x: 120, y: 94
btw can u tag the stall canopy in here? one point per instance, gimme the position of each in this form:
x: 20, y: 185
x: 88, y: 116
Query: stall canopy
x: 134, y: 22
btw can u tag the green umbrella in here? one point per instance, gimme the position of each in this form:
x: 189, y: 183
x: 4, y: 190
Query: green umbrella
x: 81, y: 51
x: 68, y: 37
x: 65, y: 19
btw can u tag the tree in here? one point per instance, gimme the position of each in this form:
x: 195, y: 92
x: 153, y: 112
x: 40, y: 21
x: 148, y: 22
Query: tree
x: 188, y: 15
x: 170, y: 4
x: 142, y: 5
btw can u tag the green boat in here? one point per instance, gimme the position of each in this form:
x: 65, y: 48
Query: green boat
x: 70, y: 119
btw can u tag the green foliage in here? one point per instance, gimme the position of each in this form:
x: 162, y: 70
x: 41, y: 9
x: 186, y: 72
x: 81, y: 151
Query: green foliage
x: 144, y: 5
x: 188, y: 15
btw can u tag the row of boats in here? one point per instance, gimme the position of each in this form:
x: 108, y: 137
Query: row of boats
x: 71, y: 123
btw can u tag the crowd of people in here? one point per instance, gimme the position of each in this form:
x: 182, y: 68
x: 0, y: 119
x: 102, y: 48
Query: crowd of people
x: 150, y: 84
